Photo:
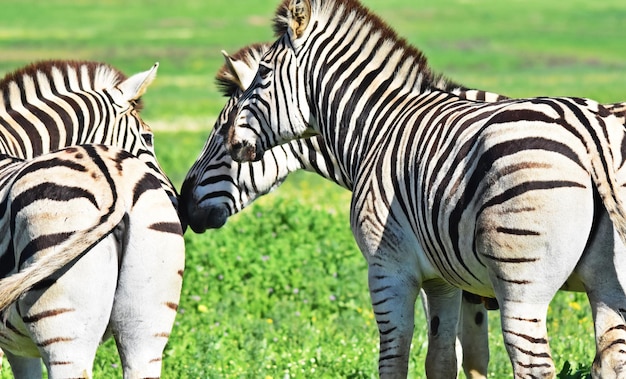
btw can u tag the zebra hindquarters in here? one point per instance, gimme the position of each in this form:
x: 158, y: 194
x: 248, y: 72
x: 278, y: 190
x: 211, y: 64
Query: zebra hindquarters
x: 150, y: 281
x: 57, y: 201
x: 603, y: 271
x: 531, y: 231
x: 68, y: 319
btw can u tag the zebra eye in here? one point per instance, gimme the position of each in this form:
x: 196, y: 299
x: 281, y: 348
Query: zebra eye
x: 264, y: 70
x: 147, y: 137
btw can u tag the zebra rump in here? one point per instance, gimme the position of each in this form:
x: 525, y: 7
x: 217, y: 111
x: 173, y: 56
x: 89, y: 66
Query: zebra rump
x: 97, y: 250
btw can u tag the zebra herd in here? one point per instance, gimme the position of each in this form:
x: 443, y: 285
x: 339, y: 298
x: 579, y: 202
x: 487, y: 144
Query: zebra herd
x: 457, y: 194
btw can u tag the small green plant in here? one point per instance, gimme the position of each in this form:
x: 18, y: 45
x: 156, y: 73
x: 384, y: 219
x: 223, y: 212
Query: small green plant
x: 568, y: 372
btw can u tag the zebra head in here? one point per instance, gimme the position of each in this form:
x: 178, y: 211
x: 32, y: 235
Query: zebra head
x: 125, y: 96
x: 216, y: 187
x: 274, y: 109
x: 126, y: 99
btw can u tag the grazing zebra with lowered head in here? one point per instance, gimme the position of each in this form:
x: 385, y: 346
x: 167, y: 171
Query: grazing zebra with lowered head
x: 494, y: 198
x: 217, y: 187
x: 49, y: 105
x: 87, y: 262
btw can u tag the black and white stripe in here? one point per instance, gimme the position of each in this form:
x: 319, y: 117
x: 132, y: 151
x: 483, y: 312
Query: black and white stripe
x: 68, y: 213
x: 49, y: 105
x: 501, y: 199
x: 93, y: 248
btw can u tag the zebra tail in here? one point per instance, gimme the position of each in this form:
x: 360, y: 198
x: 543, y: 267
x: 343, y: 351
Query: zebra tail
x: 15, y: 285
x: 604, y: 177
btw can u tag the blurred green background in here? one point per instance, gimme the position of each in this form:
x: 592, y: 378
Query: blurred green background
x: 517, y: 47
x: 280, y: 291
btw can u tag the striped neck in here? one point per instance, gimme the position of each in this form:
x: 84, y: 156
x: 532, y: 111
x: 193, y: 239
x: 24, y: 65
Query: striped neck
x: 350, y: 64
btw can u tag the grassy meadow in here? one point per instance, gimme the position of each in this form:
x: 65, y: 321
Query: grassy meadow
x: 281, y: 290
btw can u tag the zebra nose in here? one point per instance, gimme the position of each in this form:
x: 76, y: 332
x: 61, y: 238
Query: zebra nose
x: 217, y: 216
x: 211, y: 217
x: 245, y: 152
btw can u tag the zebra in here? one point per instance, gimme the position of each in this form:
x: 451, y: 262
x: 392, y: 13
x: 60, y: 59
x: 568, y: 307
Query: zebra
x: 90, y: 264
x: 216, y: 187
x: 48, y: 105
x: 448, y: 193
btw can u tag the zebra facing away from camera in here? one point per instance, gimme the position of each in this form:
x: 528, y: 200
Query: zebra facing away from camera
x: 50, y: 105
x: 88, y: 262
x: 449, y: 193
x: 47, y: 106
x: 216, y: 187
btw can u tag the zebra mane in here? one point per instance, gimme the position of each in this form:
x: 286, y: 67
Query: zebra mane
x: 91, y: 75
x: 442, y: 82
x: 250, y: 55
x: 340, y: 10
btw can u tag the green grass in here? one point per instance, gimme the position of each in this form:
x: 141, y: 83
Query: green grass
x: 281, y: 289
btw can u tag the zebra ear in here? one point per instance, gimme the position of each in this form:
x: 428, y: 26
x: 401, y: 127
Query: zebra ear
x: 299, y: 16
x: 242, y: 74
x: 135, y: 86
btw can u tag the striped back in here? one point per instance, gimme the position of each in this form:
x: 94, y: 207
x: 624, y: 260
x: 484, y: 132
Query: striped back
x: 217, y: 187
x: 49, y: 105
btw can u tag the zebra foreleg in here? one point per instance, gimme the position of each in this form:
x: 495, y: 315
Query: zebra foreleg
x: 393, y: 298
x: 24, y: 367
x: 443, y: 317
x: 149, y: 285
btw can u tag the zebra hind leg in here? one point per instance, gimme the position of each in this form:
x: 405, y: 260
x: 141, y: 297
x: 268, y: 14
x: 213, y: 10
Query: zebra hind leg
x: 474, y: 338
x: 68, y: 319
x: 526, y: 339
x: 603, y: 272
x: 610, y: 360
x: 149, y: 284
x: 24, y: 367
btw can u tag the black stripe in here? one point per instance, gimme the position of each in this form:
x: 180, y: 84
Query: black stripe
x: 40, y: 243
x: 146, y: 183
x: 50, y: 191
x: 167, y: 227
